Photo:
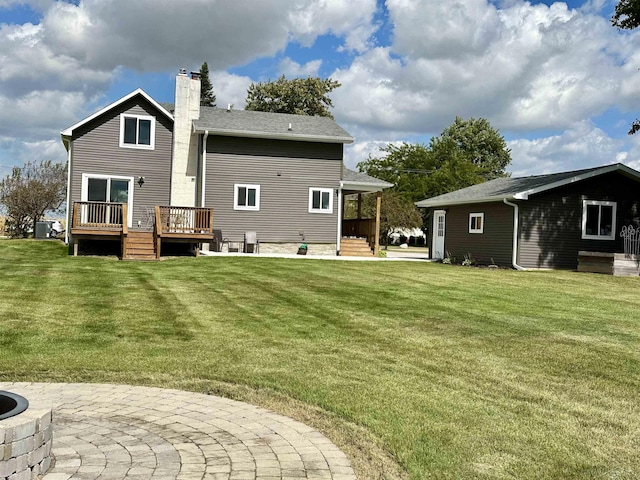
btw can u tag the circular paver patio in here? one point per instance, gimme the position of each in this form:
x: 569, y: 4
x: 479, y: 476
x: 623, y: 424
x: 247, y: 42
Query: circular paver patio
x: 111, y: 432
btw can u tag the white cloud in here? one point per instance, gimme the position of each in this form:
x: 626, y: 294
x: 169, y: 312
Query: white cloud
x: 230, y: 88
x: 581, y: 146
x: 290, y: 68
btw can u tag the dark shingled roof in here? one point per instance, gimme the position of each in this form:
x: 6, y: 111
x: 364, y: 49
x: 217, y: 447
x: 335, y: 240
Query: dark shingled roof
x: 246, y: 123
x: 351, y: 176
x: 519, y: 188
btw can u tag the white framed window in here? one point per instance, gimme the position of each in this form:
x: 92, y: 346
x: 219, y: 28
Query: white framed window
x: 476, y: 223
x: 246, y: 197
x: 598, y: 220
x: 108, y: 189
x: 320, y: 200
x: 137, y: 131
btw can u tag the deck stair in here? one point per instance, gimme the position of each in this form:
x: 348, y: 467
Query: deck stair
x: 355, y: 247
x: 140, y: 246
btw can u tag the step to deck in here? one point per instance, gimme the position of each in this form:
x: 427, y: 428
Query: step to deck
x: 355, y: 247
x: 140, y: 246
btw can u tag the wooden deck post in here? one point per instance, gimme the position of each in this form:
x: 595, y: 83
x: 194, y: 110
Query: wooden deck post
x: 158, y: 231
x: 359, y: 206
x: 376, y: 248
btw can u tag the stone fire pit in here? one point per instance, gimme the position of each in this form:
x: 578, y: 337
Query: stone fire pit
x: 25, y: 438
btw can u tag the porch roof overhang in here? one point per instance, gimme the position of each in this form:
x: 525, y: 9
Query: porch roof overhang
x: 358, y: 182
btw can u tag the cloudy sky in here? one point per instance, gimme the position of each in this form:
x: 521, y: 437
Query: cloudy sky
x: 559, y: 82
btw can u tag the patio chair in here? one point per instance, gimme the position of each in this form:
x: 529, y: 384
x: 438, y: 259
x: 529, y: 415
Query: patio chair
x: 251, y: 243
x: 216, y: 244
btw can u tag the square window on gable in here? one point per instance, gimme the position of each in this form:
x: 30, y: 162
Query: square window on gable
x: 137, y: 131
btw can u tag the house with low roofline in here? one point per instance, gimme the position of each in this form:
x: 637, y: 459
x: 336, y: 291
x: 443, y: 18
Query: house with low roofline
x: 541, y: 221
x: 145, y: 174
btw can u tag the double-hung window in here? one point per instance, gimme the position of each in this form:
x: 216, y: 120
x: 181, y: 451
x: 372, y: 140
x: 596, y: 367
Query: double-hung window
x: 246, y: 197
x: 476, y: 222
x: 320, y: 200
x: 137, y: 131
x: 598, y: 220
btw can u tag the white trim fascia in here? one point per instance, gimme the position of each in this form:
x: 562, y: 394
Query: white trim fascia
x: 67, y: 142
x: 138, y: 91
x: 524, y: 195
x: 277, y: 136
x: 365, y: 187
x: 444, y: 203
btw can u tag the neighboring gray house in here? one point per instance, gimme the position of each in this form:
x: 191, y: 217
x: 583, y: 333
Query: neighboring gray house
x: 541, y: 221
x: 144, y: 174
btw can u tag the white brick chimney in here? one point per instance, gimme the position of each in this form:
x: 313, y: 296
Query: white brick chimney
x: 185, y: 145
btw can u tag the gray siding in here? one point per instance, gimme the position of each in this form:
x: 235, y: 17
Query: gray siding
x: 284, y: 170
x: 495, y: 243
x: 551, y: 223
x: 96, y: 150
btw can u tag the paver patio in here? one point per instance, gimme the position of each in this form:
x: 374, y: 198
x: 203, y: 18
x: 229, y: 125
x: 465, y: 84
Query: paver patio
x: 111, y: 432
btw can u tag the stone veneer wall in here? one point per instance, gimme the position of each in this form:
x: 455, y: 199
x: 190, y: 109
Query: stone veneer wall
x: 312, y: 248
x: 25, y: 445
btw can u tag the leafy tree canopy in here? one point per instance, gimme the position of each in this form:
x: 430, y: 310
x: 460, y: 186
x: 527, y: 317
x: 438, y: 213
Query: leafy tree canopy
x: 466, y: 153
x: 396, y: 212
x: 301, y: 96
x: 207, y: 97
x: 31, y: 191
x: 627, y: 14
x: 627, y: 17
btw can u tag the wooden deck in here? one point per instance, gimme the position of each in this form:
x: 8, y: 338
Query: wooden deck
x: 105, y: 220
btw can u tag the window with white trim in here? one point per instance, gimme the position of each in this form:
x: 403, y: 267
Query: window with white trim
x: 137, y: 131
x: 246, y: 197
x: 476, y: 222
x: 598, y: 220
x: 320, y: 200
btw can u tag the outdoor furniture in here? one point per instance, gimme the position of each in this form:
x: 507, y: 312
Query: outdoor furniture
x: 251, y: 244
x: 216, y: 244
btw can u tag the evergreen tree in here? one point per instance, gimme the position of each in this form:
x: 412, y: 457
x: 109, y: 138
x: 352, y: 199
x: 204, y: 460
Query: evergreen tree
x: 207, y: 97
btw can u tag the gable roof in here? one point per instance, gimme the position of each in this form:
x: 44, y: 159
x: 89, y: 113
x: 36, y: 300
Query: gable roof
x: 521, y: 188
x: 352, y: 180
x: 69, y: 131
x: 247, y: 123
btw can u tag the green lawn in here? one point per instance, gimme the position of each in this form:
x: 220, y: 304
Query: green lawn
x: 454, y: 372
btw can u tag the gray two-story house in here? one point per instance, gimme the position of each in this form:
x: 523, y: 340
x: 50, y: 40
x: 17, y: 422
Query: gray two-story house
x: 144, y: 174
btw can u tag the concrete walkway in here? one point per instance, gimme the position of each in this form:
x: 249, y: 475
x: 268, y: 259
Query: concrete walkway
x: 111, y: 432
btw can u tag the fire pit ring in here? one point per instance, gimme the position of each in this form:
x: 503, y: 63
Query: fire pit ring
x: 26, y: 434
x: 12, y: 404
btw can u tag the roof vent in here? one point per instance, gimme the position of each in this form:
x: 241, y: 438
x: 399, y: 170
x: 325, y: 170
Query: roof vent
x: 229, y: 107
x: 183, y: 71
x: 195, y: 75
x: 290, y: 127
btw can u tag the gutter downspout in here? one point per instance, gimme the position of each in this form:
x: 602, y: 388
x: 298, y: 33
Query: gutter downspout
x: 68, y: 225
x: 204, y: 165
x: 516, y: 216
x: 339, y: 229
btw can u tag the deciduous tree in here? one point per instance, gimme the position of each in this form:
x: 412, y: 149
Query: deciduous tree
x: 31, y: 191
x: 301, y: 96
x: 627, y: 17
x: 396, y: 212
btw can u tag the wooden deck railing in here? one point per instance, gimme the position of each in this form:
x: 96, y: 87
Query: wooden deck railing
x: 99, y: 215
x: 360, y: 227
x: 184, y: 220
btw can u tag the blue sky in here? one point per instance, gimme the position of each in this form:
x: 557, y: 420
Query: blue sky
x: 558, y: 81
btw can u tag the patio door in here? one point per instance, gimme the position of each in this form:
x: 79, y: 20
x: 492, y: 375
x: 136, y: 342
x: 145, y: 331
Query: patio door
x: 437, y: 242
x: 107, y: 189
